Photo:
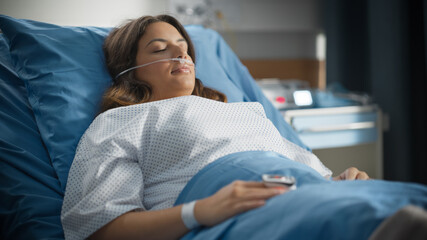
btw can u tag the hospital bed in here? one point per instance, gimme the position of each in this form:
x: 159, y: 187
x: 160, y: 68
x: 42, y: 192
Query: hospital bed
x: 51, y: 81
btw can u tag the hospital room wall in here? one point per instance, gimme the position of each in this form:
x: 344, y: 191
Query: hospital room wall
x: 103, y: 13
x: 262, y: 33
x: 277, y: 38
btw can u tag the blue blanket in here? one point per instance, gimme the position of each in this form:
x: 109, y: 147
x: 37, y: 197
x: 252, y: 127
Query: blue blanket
x: 318, y: 209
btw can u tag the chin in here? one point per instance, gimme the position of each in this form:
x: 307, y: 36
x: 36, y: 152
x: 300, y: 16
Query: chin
x: 186, y: 83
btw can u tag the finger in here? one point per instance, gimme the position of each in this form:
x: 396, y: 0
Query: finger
x: 240, y: 192
x: 351, y: 173
x: 253, y: 184
x: 362, y: 176
x: 265, y: 193
x: 248, y: 205
x: 338, y: 178
x: 343, y: 175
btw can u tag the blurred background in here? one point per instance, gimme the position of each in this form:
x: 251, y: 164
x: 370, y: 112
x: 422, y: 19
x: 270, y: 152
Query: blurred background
x: 374, y: 50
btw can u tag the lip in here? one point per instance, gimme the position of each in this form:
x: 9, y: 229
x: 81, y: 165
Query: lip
x: 181, y: 69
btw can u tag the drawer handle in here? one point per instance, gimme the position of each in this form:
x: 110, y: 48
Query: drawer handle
x: 339, y: 127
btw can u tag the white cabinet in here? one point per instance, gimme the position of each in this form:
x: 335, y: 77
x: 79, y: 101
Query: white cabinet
x: 342, y: 136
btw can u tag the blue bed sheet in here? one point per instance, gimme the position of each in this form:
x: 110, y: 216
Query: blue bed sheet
x: 318, y: 209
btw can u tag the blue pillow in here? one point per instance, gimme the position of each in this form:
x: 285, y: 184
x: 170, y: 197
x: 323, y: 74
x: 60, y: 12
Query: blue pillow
x: 30, y: 193
x: 64, y: 72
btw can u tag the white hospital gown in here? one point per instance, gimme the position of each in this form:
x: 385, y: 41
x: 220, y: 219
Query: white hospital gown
x: 140, y: 157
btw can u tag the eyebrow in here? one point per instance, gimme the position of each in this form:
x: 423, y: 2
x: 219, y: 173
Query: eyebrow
x: 163, y: 40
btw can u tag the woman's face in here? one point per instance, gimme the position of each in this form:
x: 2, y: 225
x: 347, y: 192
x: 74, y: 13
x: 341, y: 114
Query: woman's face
x: 167, y: 79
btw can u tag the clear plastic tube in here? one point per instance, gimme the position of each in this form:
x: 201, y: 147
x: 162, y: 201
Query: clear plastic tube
x: 181, y: 60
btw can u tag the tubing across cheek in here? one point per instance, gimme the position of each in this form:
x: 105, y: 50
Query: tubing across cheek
x: 180, y: 60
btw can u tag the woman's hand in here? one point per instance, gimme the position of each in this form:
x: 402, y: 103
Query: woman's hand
x: 352, y: 174
x: 235, y: 198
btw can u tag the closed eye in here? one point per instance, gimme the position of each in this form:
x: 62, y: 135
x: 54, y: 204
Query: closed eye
x: 161, y: 50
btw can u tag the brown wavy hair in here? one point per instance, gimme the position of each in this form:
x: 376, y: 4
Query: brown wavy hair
x: 120, y: 49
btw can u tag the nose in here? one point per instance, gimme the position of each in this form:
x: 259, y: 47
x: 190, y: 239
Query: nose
x: 182, y: 53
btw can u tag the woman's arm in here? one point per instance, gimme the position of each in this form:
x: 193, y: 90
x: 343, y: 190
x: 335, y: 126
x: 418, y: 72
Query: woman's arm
x: 235, y: 198
x: 160, y: 224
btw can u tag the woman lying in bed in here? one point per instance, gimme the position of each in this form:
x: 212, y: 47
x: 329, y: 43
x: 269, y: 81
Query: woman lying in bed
x: 160, y: 128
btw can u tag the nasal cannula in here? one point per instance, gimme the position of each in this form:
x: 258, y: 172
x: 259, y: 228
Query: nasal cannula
x: 181, y: 60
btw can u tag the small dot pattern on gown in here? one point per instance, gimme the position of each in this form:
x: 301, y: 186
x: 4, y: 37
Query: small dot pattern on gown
x: 140, y: 157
